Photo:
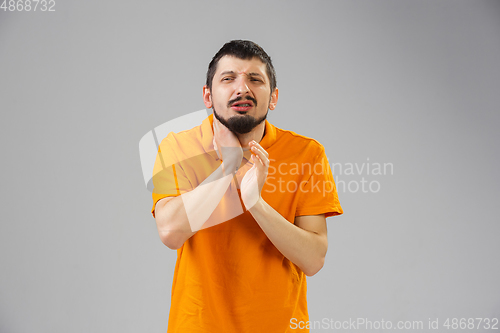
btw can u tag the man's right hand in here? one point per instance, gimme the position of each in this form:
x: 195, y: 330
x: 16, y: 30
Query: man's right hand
x: 228, y: 147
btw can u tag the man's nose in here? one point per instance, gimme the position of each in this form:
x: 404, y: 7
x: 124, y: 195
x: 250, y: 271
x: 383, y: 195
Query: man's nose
x: 242, y: 87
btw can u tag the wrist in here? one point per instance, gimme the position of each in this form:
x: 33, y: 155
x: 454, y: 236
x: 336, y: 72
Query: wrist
x: 258, y: 207
x: 229, y: 166
x: 232, y: 162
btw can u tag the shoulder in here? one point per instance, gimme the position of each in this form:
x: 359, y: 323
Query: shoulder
x: 297, y: 143
x: 186, y: 137
x: 183, y: 145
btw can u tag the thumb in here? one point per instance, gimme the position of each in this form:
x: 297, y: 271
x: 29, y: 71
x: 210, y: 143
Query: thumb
x: 215, y: 147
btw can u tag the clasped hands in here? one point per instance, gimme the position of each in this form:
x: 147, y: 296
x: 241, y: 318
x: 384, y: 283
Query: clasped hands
x: 229, y: 150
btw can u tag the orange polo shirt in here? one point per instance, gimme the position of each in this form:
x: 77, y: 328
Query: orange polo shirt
x: 229, y: 277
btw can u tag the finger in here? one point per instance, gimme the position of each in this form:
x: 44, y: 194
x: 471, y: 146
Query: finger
x: 258, y: 152
x: 261, y: 152
x: 262, y: 160
x: 259, y: 162
x: 216, y: 148
x: 256, y: 144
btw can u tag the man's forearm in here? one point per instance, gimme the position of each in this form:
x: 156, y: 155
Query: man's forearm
x: 181, y: 217
x: 304, y: 248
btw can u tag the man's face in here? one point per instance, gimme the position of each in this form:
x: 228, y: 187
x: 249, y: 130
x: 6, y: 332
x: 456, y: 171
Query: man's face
x: 240, y: 94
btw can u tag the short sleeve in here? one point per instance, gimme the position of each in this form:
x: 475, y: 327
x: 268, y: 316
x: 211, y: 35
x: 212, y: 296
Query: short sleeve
x: 318, y: 195
x: 169, y: 179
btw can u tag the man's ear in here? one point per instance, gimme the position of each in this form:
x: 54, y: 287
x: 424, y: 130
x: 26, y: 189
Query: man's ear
x: 274, y: 99
x: 207, y: 97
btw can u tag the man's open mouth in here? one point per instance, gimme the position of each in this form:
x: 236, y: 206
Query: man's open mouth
x: 242, y: 106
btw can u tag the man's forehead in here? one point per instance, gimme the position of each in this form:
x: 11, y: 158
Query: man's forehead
x: 237, y: 65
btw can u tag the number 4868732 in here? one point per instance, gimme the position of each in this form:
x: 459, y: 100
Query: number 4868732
x: 28, y: 5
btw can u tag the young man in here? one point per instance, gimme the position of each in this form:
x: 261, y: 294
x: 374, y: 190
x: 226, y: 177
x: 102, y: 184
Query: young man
x: 244, y: 203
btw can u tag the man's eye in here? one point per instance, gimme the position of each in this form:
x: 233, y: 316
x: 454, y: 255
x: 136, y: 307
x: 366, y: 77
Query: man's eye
x: 227, y: 78
x: 258, y: 80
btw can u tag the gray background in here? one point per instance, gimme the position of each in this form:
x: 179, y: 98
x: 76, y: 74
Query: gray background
x: 412, y: 83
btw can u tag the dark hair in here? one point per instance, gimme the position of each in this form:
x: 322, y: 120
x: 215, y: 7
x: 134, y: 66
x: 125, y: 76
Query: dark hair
x: 242, y: 49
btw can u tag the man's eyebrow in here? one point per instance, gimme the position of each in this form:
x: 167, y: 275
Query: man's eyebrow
x: 226, y: 72
x: 255, y: 74
x: 233, y: 73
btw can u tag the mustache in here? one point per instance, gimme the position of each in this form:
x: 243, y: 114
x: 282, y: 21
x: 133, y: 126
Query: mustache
x: 237, y: 99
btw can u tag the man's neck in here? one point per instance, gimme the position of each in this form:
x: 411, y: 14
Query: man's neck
x: 256, y: 134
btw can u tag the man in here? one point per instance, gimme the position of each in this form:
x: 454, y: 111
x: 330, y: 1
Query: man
x: 245, y: 205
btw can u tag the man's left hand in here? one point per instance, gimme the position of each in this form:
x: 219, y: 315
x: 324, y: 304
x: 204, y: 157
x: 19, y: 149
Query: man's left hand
x: 255, y: 177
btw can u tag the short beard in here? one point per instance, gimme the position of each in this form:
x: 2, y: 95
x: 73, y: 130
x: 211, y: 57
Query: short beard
x: 240, y: 124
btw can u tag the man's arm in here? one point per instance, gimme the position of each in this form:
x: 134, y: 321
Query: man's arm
x: 179, y: 218
x: 176, y: 217
x: 304, y: 243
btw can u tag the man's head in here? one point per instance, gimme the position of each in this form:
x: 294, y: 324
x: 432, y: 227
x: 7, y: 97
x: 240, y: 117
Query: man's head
x: 241, y: 86
x: 242, y: 49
